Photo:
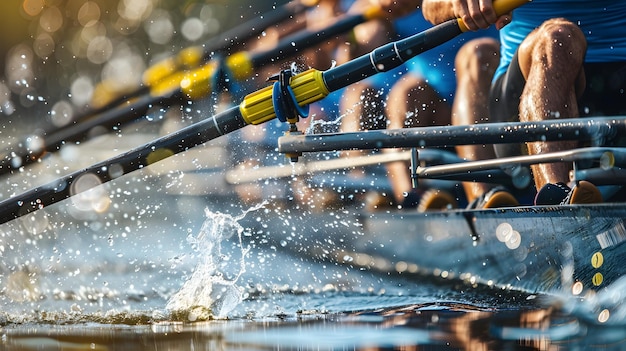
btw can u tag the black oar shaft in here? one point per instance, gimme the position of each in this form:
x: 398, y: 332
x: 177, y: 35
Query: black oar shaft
x: 305, y: 39
x: 389, y: 56
x: 60, y: 189
x: 29, y: 152
x: 240, y: 34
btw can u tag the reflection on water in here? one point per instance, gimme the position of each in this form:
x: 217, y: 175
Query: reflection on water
x: 449, y: 326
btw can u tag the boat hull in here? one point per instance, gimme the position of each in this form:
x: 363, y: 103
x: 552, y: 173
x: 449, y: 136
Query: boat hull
x: 540, y: 249
x: 574, y: 249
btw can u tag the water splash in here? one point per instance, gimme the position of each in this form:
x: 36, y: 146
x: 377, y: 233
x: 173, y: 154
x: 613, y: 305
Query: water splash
x: 212, y: 289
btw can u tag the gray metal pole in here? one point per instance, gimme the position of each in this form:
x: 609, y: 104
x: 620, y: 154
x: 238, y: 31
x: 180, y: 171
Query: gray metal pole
x: 597, y: 130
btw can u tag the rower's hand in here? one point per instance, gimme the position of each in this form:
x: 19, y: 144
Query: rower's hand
x: 479, y: 14
x: 397, y: 8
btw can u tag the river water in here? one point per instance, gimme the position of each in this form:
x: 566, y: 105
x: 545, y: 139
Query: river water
x: 160, y: 271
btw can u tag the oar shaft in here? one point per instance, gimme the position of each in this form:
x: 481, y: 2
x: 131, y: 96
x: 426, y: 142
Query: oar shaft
x: 394, y: 54
x: 105, y: 171
x: 29, y: 151
x: 305, y: 39
x: 240, y: 34
x: 389, y: 56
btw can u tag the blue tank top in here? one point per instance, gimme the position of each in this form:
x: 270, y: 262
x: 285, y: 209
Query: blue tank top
x: 602, y: 21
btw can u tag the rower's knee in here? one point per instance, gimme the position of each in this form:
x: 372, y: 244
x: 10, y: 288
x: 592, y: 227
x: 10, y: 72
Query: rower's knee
x: 478, y: 59
x: 402, y: 99
x: 556, y: 43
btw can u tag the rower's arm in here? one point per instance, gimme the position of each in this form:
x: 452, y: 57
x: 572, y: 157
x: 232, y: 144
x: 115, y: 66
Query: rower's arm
x: 472, y: 14
x: 438, y: 11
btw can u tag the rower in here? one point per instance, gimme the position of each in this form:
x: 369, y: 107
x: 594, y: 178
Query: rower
x: 552, y: 68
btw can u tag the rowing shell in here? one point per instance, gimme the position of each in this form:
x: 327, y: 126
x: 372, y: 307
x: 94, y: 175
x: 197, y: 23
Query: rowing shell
x: 573, y: 248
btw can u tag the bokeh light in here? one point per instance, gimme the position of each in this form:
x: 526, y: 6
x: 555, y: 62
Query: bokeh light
x: 33, y: 7
x: 192, y: 29
x: 51, y: 19
x: 89, y: 14
x: 58, y: 54
x: 159, y: 27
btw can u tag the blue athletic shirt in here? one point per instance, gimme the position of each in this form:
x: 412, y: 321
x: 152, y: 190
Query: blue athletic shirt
x: 602, y: 21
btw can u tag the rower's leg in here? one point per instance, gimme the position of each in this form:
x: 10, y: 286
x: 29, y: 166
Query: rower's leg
x: 362, y: 109
x: 475, y: 64
x: 551, y: 59
x: 411, y: 103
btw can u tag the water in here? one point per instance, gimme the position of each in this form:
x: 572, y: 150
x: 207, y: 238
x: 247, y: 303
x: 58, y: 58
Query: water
x: 203, y: 273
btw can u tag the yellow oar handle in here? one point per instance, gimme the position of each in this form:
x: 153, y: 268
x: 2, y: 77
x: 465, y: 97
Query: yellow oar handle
x: 501, y: 7
x: 196, y: 83
x: 187, y: 58
x: 373, y: 12
x: 310, y: 3
x: 308, y: 87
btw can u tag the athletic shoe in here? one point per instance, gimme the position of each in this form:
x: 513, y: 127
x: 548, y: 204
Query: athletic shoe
x: 411, y: 199
x: 583, y: 192
x: 436, y: 200
x: 494, y: 198
x: 552, y: 194
x: 377, y: 201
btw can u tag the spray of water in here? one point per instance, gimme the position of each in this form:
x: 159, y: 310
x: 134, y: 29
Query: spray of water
x: 212, y: 289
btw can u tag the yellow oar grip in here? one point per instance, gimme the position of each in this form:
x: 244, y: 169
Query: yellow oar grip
x: 310, y: 2
x: 240, y: 65
x: 501, y: 7
x: 308, y: 87
x: 186, y: 58
x: 373, y: 12
x: 197, y: 83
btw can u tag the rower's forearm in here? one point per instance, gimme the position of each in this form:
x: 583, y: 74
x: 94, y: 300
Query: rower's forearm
x: 438, y: 11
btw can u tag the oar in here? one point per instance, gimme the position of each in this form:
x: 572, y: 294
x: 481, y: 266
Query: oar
x: 256, y: 108
x: 171, y: 88
x: 194, y: 56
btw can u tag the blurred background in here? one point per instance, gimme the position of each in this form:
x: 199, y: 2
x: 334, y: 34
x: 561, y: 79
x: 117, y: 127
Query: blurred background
x: 53, y: 53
